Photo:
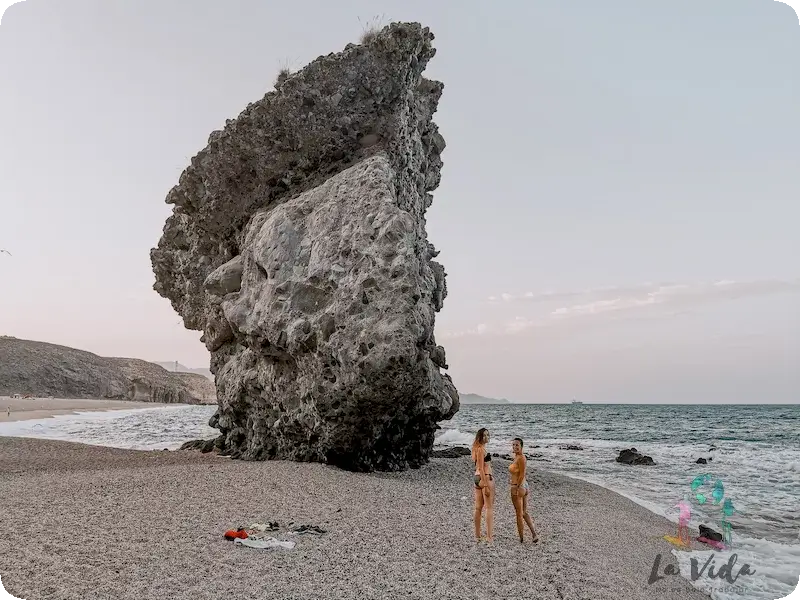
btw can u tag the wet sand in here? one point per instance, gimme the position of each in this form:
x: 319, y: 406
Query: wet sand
x: 96, y: 523
x: 24, y: 409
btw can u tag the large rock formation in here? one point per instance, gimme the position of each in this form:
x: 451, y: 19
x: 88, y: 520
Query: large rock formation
x: 298, y: 245
x: 42, y: 369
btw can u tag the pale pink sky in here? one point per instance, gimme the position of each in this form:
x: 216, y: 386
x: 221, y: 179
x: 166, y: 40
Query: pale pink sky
x: 618, y: 212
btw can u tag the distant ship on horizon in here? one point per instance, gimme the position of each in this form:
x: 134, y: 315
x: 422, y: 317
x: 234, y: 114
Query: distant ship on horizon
x: 576, y: 401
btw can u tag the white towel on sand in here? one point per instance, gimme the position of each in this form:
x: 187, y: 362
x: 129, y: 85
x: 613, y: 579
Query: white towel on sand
x: 267, y: 544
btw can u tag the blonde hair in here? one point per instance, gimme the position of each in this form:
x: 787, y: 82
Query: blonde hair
x: 480, y: 442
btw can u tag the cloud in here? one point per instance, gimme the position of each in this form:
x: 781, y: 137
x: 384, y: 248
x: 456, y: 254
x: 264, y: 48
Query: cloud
x: 481, y: 329
x: 674, y: 297
x: 553, y: 296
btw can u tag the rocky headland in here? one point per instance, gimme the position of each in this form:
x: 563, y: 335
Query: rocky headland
x: 42, y: 370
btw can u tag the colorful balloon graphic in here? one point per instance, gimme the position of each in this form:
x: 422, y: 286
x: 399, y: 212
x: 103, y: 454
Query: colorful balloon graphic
x: 718, y: 497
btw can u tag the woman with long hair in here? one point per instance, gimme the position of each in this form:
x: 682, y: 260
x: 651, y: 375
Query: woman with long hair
x: 484, y: 484
x: 519, y: 490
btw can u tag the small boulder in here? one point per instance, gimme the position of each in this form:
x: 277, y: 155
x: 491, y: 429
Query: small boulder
x: 570, y: 447
x: 702, y: 461
x: 453, y: 452
x: 633, y: 457
x: 226, y: 279
x: 204, y: 446
x: 710, y: 534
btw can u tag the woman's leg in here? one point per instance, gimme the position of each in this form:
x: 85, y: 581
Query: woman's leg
x: 527, y: 517
x: 488, y: 498
x: 478, y: 511
x: 516, y: 500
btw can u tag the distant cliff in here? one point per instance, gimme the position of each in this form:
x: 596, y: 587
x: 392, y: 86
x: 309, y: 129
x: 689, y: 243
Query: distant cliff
x: 176, y: 367
x: 476, y: 399
x: 42, y: 369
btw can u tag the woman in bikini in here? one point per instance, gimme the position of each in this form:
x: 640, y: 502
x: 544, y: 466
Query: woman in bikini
x: 484, y: 485
x: 519, y: 490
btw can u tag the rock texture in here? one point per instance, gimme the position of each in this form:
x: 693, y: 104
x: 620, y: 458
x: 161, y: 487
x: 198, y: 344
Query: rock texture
x: 43, y: 370
x: 452, y: 452
x: 632, y: 456
x: 298, y: 246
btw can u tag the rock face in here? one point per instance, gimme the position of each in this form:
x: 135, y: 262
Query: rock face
x: 42, y: 370
x: 298, y: 246
x: 634, y: 457
x: 452, y: 452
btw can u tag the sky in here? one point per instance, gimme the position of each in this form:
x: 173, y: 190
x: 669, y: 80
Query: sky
x: 618, y: 212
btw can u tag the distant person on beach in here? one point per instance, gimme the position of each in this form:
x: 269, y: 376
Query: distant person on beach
x: 519, y: 490
x: 484, y: 485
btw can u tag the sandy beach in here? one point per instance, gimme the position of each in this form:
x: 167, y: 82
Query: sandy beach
x: 24, y: 409
x: 92, y: 522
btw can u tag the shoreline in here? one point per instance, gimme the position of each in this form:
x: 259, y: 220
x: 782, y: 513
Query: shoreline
x: 30, y: 409
x: 157, y: 520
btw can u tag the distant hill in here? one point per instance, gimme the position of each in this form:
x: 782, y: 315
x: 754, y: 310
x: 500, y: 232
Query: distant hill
x: 476, y: 399
x: 170, y: 366
x: 42, y: 369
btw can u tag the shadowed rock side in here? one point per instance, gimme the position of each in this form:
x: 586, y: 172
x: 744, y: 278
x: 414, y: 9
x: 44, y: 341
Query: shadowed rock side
x: 298, y: 245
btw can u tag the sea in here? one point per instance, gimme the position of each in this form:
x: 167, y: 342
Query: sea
x: 754, y: 451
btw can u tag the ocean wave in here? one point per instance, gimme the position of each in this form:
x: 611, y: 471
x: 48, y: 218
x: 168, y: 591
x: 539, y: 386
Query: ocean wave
x: 774, y: 577
x: 454, y: 437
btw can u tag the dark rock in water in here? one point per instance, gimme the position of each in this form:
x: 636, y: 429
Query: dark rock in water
x: 633, y: 457
x: 570, y: 447
x: 536, y: 447
x: 298, y: 245
x: 204, y: 446
x: 454, y: 452
x: 710, y: 534
x: 710, y: 458
x: 702, y: 461
x: 712, y: 448
x: 503, y: 456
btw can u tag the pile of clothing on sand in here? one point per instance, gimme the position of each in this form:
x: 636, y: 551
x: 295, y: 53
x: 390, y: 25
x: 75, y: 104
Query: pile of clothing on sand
x: 256, y: 535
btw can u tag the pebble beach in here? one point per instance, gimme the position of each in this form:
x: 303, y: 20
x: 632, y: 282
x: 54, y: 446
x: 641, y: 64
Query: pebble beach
x: 90, y: 522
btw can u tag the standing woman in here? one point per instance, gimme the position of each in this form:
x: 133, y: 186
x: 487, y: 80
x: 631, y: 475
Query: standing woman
x: 484, y: 484
x: 519, y: 490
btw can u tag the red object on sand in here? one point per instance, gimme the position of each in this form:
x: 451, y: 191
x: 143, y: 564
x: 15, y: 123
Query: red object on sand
x: 232, y: 535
